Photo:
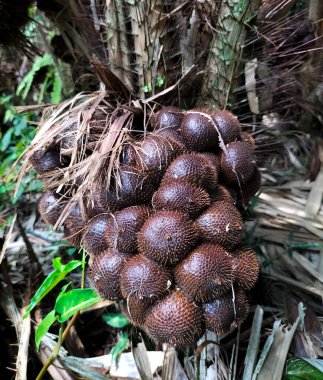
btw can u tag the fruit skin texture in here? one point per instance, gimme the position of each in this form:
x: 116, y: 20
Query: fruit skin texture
x: 135, y: 187
x: 181, y: 196
x: 247, y: 138
x: 49, y: 207
x: 175, y: 320
x: 228, y: 125
x: 250, y: 188
x: 94, y: 237
x: 105, y: 273
x: 101, y: 200
x: 237, y: 163
x: 123, y: 226
x: 156, y: 152
x: 167, y: 237
x: 226, y: 313
x: 206, y: 273
x: 220, y: 224
x: 131, y: 187
x: 143, y: 279
x: 137, y: 309
x: 213, y: 159
x: 168, y: 117
x: 194, y: 169
x: 129, y: 155
x: 246, y: 268
x: 47, y: 161
x: 198, y: 131
x: 171, y: 134
x: 221, y: 194
x: 72, y: 236
x: 74, y: 225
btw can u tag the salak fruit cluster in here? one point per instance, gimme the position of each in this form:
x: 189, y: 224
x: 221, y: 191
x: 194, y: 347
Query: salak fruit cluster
x: 167, y: 236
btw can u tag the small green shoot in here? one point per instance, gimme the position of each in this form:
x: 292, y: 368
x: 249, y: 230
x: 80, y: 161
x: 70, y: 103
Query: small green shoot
x: 67, y: 302
x: 52, y: 280
x: 43, y: 327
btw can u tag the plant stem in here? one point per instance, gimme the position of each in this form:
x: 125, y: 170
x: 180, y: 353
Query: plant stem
x: 52, y: 356
x: 83, y: 268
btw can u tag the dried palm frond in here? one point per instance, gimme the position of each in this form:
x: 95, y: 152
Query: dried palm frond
x: 282, y: 73
x: 89, y: 131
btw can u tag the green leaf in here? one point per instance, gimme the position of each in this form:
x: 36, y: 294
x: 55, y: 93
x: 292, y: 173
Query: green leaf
x: 9, y: 115
x: 317, y: 363
x: 27, y: 80
x: 6, y: 139
x: 72, y: 265
x: 77, y: 299
x: 20, y: 191
x: 5, y: 99
x: 57, y: 264
x: 116, y: 320
x: 56, y: 94
x: 121, y: 345
x: 299, y: 369
x: 43, y: 327
x: 20, y: 124
x: 52, y: 280
x: 63, y: 291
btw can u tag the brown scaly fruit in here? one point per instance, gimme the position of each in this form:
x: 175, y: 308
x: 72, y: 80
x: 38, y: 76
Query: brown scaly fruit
x: 136, y: 309
x: 226, y: 313
x: 175, y: 320
x: 168, y: 117
x: 50, y: 207
x: 206, y: 273
x: 134, y: 186
x: 245, y: 268
x: 153, y: 252
x: 144, y: 279
x: 221, y: 224
x: 220, y: 194
x: 181, y: 196
x: 156, y: 153
x: 198, y: 131
x: 129, y: 155
x: 237, y: 163
x: 250, y: 188
x: 247, y: 138
x: 172, y: 135
x: 194, y: 169
x: 49, y: 160
x: 94, y: 236
x: 213, y: 159
x: 228, y: 125
x: 123, y: 226
x: 100, y: 200
x: 130, y: 187
x: 167, y: 237
x: 74, y: 224
x: 105, y: 273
